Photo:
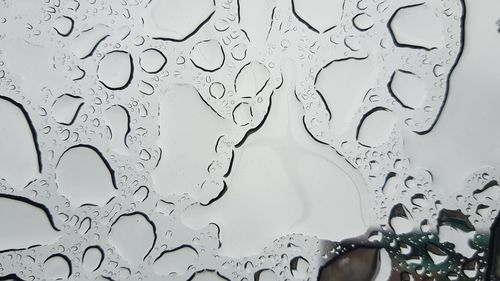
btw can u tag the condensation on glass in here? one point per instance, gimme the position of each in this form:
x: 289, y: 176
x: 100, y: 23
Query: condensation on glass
x: 249, y: 140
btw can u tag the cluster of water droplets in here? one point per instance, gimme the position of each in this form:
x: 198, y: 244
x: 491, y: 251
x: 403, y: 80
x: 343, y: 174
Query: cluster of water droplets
x: 133, y: 113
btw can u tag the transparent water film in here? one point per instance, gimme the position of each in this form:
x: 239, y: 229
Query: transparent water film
x: 249, y: 140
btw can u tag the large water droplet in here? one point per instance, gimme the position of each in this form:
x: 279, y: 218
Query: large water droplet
x: 57, y: 267
x: 319, y: 15
x: 19, y: 162
x: 175, y: 261
x: 177, y: 20
x: 86, y: 42
x: 92, y: 258
x: 115, y: 70
x: 24, y: 223
x: 65, y: 108
x: 133, y: 235
x: 376, y: 127
x: 408, y: 89
x: 84, y: 176
x: 416, y: 26
x: 152, y: 60
x: 208, y: 55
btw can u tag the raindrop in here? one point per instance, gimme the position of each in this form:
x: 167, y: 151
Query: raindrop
x: 436, y: 253
x: 57, y: 267
x: 265, y: 275
x: 207, y: 55
x: 416, y: 26
x: 177, y: 260
x: 217, y: 90
x: 177, y: 20
x: 24, y: 224
x: 66, y: 107
x: 363, y: 21
x: 491, y: 192
x: 146, y: 88
x: 165, y: 207
x: 63, y: 25
x: 92, y: 258
x: 152, y: 60
x: 376, y: 127
x: 251, y: 79
x: 86, y: 42
x: 239, y: 52
x: 84, y: 176
x: 133, y: 235
x: 141, y: 194
x: 299, y: 268
x: 208, y: 275
x: 20, y: 160
x: 318, y: 15
x: 115, y: 70
x: 399, y: 220
x: 408, y: 89
x: 242, y: 114
x: 117, y: 119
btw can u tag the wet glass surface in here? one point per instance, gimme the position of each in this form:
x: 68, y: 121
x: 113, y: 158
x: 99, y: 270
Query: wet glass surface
x: 249, y: 140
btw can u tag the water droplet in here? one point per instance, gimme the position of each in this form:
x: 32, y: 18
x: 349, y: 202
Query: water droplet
x: 86, y: 42
x: 92, y: 258
x: 63, y: 25
x: 20, y: 162
x: 177, y: 261
x: 207, y: 55
x: 115, y: 70
x: 177, y: 20
x: 65, y: 108
x: 133, y: 235
x: 152, y: 60
x: 57, y: 267
x: 376, y: 126
x: 416, y: 26
x: 24, y: 224
x: 84, y: 176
